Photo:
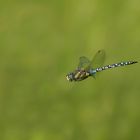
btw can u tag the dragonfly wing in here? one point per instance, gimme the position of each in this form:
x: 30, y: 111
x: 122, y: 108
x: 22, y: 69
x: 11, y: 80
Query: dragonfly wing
x: 84, y: 62
x: 98, y: 60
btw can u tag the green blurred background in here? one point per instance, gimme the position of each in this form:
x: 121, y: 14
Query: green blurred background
x: 40, y: 42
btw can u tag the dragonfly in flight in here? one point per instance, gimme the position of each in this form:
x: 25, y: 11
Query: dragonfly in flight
x: 87, y: 68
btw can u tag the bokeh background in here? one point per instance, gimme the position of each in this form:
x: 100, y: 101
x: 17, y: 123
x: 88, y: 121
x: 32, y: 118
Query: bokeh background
x: 40, y: 42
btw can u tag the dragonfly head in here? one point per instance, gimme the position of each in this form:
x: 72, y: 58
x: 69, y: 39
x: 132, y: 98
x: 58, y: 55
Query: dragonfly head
x: 70, y: 77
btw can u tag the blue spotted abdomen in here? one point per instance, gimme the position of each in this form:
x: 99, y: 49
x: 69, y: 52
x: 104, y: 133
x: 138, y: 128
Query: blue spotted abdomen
x: 115, y: 65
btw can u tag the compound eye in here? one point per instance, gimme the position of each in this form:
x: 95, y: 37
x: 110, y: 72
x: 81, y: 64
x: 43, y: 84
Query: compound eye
x: 69, y: 77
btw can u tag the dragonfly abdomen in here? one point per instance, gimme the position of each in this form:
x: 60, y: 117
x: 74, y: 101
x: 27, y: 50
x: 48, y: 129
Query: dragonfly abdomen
x: 115, y: 65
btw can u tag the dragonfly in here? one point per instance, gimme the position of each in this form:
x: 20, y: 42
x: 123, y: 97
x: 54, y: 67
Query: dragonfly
x: 87, y: 68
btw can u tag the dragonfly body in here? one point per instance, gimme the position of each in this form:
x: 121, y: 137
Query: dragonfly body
x: 85, y: 68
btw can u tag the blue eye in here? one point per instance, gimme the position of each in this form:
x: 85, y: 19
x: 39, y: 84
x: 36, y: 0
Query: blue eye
x: 69, y: 77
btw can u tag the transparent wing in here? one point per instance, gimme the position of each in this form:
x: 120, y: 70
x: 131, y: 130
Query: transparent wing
x: 83, y: 62
x: 98, y: 60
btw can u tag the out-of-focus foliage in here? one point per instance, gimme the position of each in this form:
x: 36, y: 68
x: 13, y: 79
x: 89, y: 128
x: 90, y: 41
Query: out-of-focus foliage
x: 40, y: 41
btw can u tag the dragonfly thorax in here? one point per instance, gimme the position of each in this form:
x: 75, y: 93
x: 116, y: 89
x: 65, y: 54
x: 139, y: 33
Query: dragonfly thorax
x: 77, y: 75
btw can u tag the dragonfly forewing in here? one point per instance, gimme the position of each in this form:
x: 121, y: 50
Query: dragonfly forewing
x: 84, y: 62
